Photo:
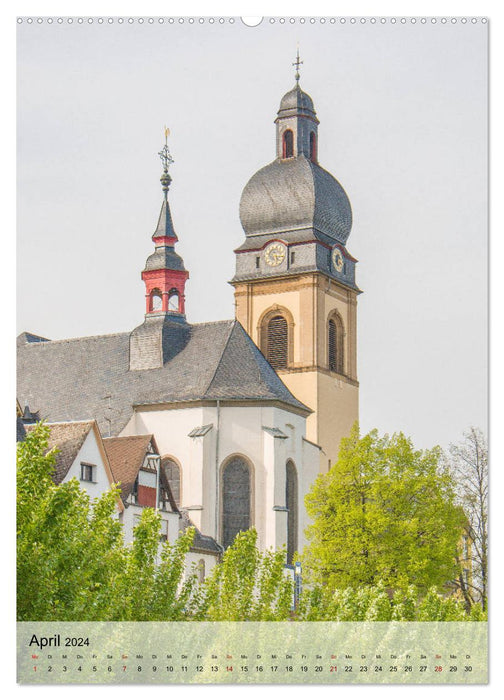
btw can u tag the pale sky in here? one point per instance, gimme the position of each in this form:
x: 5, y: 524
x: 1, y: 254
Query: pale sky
x: 403, y: 112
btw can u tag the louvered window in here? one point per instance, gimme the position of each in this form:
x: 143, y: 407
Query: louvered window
x: 235, y: 499
x: 172, y: 472
x: 277, y: 352
x: 291, y: 501
x: 288, y: 144
x: 335, y: 349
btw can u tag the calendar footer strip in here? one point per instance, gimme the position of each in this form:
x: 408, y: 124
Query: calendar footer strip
x: 252, y: 652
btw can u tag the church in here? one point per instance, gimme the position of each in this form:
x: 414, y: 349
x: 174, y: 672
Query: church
x: 244, y: 413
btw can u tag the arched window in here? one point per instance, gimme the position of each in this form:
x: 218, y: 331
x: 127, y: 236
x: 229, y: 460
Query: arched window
x: 172, y: 472
x: 235, y: 499
x: 156, y: 300
x: 287, y: 144
x: 173, y: 301
x: 291, y: 502
x: 277, y: 342
x: 335, y: 342
x: 275, y: 331
x: 313, y: 146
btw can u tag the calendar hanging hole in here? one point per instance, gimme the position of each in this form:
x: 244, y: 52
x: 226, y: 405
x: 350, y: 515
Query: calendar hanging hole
x: 252, y: 21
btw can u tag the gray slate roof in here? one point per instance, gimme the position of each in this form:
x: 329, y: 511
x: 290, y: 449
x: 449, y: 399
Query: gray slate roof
x: 73, y: 379
x: 164, y: 258
x: 165, y: 223
x: 68, y: 438
x: 293, y: 194
x: 297, y: 102
x: 201, y: 543
x: 20, y: 429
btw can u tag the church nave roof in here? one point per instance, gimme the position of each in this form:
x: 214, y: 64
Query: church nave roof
x: 85, y: 378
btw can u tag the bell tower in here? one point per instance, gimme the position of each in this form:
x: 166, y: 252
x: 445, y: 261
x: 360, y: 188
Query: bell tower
x: 297, y: 126
x: 164, y: 276
x: 295, y: 289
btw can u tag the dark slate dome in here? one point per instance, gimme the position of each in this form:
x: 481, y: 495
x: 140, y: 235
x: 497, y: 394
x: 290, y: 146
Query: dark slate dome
x: 292, y: 194
x: 164, y: 258
x: 296, y: 102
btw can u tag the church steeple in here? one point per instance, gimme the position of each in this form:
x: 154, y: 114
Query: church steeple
x: 164, y: 274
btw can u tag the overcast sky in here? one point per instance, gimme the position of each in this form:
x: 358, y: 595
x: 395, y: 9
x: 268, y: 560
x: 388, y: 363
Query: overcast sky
x: 403, y: 128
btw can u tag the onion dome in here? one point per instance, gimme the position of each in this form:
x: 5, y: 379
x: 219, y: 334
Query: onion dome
x: 295, y: 194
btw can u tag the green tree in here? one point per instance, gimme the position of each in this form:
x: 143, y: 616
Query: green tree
x: 377, y: 604
x: 248, y: 584
x: 384, y: 512
x: 72, y: 563
x: 61, y: 569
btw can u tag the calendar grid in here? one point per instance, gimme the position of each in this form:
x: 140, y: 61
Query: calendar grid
x: 252, y: 652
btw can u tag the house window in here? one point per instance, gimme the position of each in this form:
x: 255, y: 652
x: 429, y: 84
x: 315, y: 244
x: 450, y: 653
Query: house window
x: 86, y: 471
x: 292, y: 257
x: 236, y: 499
x: 172, y: 473
x: 335, y: 344
x: 287, y: 144
x: 291, y: 502
x: 277, y: 342
x: 258, y: 262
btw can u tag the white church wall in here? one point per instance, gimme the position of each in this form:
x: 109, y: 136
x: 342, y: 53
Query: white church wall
x: 204, y: 563
x: 265, y: 493
x: 240, y: 432
x: 311, y: 459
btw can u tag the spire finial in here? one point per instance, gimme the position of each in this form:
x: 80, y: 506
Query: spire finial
x: 167, y: 160
x: 297, y: 63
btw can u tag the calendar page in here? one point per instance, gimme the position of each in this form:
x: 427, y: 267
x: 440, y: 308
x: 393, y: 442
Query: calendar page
x: 252, y: 350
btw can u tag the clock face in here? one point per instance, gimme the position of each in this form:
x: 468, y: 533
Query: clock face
x: 274, y: 254
x: 337, y: 259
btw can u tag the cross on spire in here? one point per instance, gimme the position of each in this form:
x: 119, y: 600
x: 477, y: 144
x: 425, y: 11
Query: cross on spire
x: 167, y: 160
x: 165, y: 154
x: 297, y: 63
